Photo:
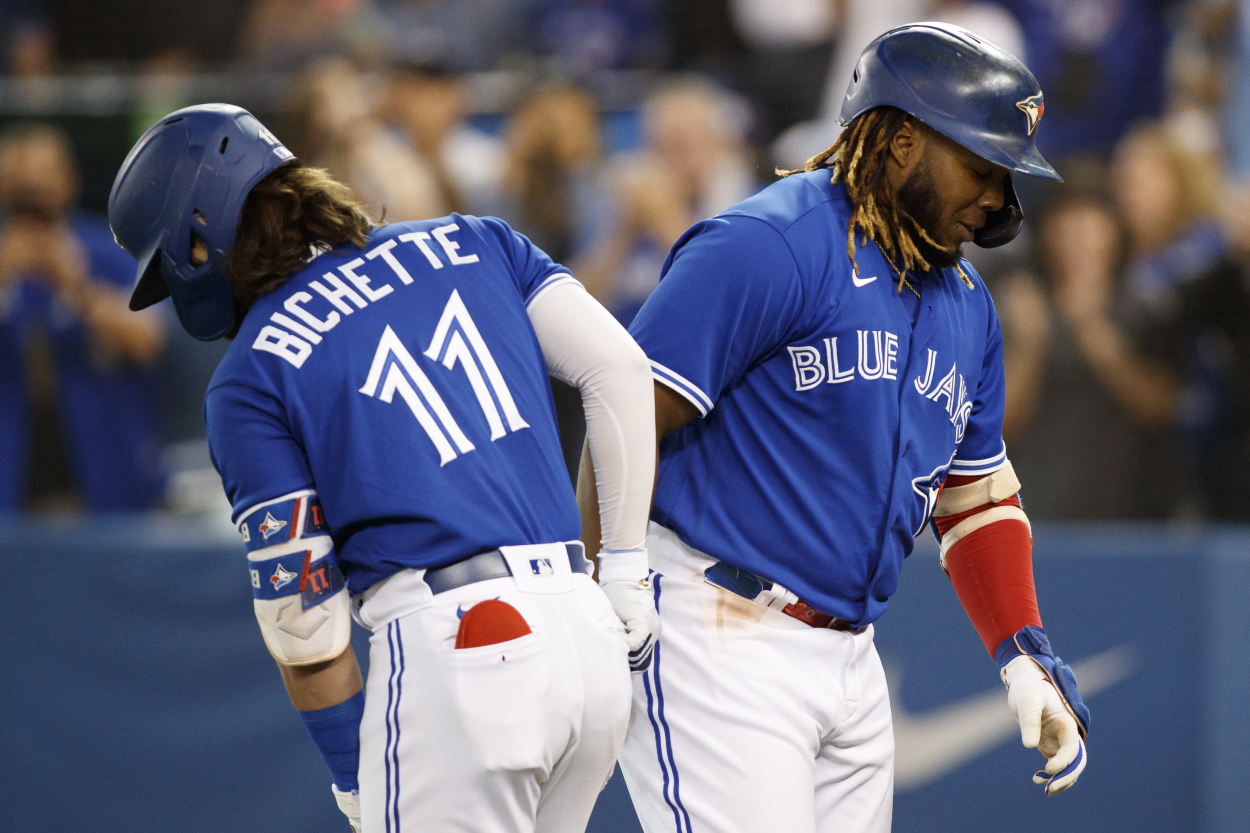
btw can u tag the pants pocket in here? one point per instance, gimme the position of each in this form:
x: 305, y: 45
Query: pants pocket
x: 500, y: 691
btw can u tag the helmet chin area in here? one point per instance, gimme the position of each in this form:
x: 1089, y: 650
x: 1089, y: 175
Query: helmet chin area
x: 1002, y: 226
x: 203, y: 300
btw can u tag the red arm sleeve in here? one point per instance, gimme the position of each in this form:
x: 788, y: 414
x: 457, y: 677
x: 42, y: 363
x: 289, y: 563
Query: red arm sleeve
x: 991, y: 568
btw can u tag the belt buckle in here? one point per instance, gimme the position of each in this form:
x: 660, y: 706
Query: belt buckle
x: 736, y: 581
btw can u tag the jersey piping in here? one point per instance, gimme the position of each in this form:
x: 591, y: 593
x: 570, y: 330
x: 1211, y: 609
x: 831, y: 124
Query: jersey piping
x: 684, y: 386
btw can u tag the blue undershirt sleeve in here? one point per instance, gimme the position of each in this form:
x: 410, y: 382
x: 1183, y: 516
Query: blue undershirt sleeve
x: 336, y: 732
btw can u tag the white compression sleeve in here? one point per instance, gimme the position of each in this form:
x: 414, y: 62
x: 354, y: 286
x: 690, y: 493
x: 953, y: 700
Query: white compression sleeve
x: 587, y: 348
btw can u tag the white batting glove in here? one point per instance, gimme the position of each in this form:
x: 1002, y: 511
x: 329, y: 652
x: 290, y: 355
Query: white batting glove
x: 623, y: 577
x: 1045, y: 724
x: 349, y: 803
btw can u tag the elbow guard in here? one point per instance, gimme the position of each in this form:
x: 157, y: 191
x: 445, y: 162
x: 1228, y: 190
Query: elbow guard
x: 297, y: 588
x: 987, y: 548
x: 962, y: 510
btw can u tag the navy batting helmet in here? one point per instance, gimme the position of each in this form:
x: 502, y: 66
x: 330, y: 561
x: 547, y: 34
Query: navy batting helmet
x: 188, y: 176
x: 967, y: 89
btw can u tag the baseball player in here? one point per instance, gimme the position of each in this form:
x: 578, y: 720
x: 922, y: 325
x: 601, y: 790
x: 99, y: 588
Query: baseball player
x: 384, y: 429
x: 828, y: 380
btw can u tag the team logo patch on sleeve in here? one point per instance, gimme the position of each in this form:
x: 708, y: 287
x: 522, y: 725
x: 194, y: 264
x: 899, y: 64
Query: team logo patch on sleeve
x: 270, y: 525
x: 314, y: 579
x: 284, y: 520
x: 282, y: 577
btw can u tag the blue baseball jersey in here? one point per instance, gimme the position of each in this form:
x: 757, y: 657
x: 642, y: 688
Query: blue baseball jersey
x: 828, y: 422
x: 404, y: 384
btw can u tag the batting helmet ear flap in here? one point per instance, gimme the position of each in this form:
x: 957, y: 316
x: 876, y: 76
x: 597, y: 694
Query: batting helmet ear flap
x: 1002, y: 226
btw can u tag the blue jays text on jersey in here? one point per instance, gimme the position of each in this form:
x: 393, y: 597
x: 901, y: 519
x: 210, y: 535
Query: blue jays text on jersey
x: 403, y: 383
x: 830, y: 421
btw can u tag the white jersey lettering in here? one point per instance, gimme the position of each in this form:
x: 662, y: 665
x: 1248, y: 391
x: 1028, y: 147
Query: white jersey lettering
x: 455, y: 312
x: 392, y: 353
x: 836, y: 375
x: 808, y: 369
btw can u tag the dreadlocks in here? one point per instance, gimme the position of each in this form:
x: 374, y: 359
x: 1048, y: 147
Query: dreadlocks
x: 859, y: 160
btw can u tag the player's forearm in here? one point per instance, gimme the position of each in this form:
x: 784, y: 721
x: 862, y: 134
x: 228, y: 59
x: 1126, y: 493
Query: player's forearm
x: 987, y: 550
x: 330, y: 702
x: 588, y: 505
x: 324, y: 684
x: 587, y: 348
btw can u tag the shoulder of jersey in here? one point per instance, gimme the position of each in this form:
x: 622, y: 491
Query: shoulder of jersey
x: 329, y: 261
x: 793, y: 199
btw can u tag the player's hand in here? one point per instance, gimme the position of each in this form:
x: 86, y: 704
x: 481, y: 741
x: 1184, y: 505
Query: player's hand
x: 624, y: 578
x: 634, y: 603
x: 349, y: 803
x: 1041, y: 691
x: 1045, y: 724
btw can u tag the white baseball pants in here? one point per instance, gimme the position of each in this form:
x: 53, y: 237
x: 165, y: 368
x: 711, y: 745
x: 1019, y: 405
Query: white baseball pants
x: 750, y: 721
x: 509, y: 738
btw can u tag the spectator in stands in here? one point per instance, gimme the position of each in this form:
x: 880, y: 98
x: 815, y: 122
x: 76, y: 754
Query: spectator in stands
x: 340, y: 133
x: 555, y: 193
x: 1101, y: 65
x: 693, y: 166
x: 1215, y: 416
x: 554, y: 188
x: 428, y: 104
x: 789, y: 47
x: 74, y: 356
x: 1167, y: 193
x: 1098, y: 374
x: 26, y: 42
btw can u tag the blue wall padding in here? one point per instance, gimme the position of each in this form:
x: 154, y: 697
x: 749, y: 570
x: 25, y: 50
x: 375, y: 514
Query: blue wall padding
x: 138, y: 696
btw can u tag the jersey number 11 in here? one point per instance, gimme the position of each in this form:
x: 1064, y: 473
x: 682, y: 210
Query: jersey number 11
x: 393, y: 366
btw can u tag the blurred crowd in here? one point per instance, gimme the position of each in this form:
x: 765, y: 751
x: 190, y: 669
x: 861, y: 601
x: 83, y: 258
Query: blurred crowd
x: 1125, y: 306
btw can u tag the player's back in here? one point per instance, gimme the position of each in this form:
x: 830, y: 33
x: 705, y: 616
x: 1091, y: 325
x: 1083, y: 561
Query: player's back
x: 404, y: 383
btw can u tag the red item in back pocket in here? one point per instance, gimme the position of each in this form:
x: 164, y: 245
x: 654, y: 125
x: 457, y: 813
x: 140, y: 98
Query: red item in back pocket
x: 488, y: 623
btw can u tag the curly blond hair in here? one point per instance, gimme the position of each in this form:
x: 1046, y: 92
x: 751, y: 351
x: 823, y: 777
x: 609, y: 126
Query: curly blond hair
x: 858, y: 159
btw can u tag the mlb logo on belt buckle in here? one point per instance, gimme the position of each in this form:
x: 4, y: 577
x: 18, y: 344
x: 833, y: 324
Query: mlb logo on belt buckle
x: 539, y: 568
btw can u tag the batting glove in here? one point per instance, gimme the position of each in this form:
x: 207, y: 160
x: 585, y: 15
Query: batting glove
x: 624, y: 579
x: 349, y: 803
x: 1041, y: 691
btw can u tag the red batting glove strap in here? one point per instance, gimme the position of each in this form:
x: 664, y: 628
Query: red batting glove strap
x: 992, y: 571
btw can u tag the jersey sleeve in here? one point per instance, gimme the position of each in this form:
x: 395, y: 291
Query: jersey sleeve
x: 729, y: 294
x: 252, y: 447
x: 981, y: 451
x: 533, y: 269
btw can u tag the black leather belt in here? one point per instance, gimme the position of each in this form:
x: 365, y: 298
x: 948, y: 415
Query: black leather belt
x: 488, y: 565
x: 749, y: 586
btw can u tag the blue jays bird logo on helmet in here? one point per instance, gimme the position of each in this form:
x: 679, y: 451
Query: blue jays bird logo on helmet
x: 1033, y: 107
